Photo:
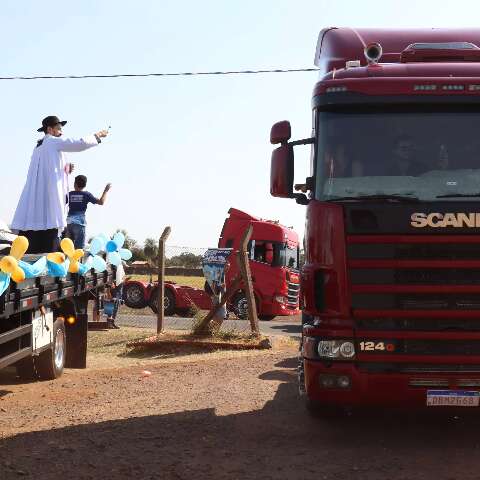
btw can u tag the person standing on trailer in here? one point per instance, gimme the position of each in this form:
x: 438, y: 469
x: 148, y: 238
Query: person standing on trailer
x: 41, y: 213
x: 78, y: 200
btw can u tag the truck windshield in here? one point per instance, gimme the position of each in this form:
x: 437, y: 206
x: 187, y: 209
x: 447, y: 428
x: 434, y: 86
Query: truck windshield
x: 275, y: 254
x: 416, y: 152
x: 287, y: 256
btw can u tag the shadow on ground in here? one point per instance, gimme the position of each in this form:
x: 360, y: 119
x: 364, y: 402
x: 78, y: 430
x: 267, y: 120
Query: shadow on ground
x: 278, y: 441
x: 289, y: 328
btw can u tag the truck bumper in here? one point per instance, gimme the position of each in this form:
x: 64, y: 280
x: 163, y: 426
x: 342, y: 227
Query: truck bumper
x: 378, y: 389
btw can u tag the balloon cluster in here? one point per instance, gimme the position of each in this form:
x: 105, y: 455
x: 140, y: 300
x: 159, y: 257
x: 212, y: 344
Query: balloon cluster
x: 58, y: 264
x: 114, y: 249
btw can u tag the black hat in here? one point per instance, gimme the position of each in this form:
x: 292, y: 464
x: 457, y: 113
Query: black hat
x: 50, y: 121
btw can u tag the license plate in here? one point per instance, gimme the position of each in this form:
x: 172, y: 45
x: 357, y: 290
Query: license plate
x: 452, y: 398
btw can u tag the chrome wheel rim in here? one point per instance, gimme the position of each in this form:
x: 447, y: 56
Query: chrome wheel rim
x: 59, y: 348
x: 134, y: 295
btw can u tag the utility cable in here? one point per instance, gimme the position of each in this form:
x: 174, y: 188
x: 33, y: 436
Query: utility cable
x: 171, y: 74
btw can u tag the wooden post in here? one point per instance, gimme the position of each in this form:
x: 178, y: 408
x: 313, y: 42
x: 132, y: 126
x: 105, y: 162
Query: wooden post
x: 161, y: 279
x: 244, y: 265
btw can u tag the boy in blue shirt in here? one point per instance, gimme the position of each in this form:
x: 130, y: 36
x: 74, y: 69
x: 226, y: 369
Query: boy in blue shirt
x: 78, y: 201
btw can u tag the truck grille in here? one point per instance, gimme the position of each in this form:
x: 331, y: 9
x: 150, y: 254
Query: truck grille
x: 417, y: 284
x: 293, y: 293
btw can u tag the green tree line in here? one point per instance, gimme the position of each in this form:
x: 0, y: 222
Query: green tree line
x: 149, y: 252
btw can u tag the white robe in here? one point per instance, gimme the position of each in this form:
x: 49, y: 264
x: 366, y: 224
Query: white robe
x: 43, y: 205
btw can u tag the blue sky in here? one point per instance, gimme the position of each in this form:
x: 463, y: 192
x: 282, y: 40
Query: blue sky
x: 182, y: 150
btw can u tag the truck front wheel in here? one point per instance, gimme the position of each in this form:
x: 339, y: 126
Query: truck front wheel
x: 168, y: 302
x: 50, y: 363
x: 133, y: 296
x: 240, y: 306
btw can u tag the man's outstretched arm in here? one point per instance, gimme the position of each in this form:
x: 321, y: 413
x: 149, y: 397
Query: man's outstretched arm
x: 74, y: 145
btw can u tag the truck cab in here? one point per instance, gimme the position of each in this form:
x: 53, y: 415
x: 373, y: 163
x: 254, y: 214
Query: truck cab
x: 274, y: 262
x: 391, y: 281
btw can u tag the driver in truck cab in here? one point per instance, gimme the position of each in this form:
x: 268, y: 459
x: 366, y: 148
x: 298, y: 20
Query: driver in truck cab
x: 403, y: 161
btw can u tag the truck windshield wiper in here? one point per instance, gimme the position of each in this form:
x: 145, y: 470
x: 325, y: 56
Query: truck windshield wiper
x: 458, y: 195
x: 398, y: 198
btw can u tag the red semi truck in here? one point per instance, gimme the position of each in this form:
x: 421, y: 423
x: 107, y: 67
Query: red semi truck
x: 391, y: 281
x: 274, y: 257
x: 274, y: 262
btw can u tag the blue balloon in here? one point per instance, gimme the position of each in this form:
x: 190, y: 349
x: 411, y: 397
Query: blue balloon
x: 114, y: 258
x: 4, y: 282
x: 35, y: 269
x: 83, y: 269
x: 104, y: 239
x: 125, y: 254
x: 96, y: 246
x: 111, y: 246
x: 99, y: 264
x: 119, y: 239
x: 57, y: 269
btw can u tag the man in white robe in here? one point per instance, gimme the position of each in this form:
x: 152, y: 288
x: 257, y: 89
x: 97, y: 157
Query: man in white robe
x: 41, y: 213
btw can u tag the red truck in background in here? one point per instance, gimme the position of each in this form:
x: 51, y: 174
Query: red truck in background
x: 391, y: 280
x: 274, y: 258
x: 274, y: 264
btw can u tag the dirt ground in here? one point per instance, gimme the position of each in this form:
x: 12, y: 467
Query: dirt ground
x: 215, y: 416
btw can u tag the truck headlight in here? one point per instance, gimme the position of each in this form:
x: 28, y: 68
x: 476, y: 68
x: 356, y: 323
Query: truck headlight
x: 280, y: 299
x: 336, y: 349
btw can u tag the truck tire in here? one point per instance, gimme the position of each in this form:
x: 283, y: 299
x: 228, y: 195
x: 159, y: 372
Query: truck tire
x: 266, y: 318
x: 26, y: 369
x: 240, y: 306
x: 50, y: 363
x: 185, y: 312
x: 168, y: 302
x: 133, y: 296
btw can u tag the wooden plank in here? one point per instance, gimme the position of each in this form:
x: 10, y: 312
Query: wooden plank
x: 232, y: 289
x: 244, y: 265
x: 161, y: 279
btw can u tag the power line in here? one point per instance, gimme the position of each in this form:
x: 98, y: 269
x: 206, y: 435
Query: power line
x: 171, y: 74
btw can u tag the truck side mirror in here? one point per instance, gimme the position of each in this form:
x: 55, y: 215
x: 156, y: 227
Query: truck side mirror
x: 281, y: 172
x: 280, y: 132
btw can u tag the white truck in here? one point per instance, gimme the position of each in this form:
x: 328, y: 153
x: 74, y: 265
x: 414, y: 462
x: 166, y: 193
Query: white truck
x: 44, y: 320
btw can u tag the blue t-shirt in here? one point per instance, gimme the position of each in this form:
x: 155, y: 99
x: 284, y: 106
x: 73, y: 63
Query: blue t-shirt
x: 77, y: 203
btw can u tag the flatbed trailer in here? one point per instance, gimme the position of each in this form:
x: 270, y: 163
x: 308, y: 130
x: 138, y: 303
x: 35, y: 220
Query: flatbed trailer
x: 44, y: 321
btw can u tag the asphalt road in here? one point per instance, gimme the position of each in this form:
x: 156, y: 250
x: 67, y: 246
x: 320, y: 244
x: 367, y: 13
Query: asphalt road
x: 288, y: 326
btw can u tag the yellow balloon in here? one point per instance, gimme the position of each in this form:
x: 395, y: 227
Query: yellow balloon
x: 67, y: 246
x: 78, y: 254
x: 8, y: 264
x: 74, y: 267
x: 18, y: 275
x: 19, y: 247
x: 56, y: 257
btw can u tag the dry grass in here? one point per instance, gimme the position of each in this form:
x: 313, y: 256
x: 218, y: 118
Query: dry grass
x: 107, y: 349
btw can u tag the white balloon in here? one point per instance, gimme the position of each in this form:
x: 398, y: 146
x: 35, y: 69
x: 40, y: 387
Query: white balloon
x: 96, y: 245
x: 125, y: 254
x: 119, y: 239
x: 114, y: 258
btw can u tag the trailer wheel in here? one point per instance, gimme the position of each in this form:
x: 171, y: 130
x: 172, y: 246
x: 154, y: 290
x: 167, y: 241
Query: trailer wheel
x: 50, y: 363
x: 26, y: 369
x: 266, y: 318
x: 168, y: 302
x: 133, y: 296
